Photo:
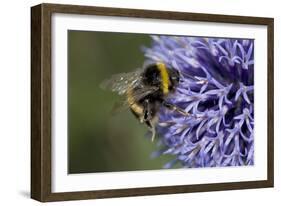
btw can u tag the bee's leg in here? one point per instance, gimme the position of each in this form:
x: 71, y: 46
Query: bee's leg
x: 141, y: 118
x: 153, y: 130
x: 175, y: 108
x: 151, y: 127
x: 148, y: 118
x: 146, y: 110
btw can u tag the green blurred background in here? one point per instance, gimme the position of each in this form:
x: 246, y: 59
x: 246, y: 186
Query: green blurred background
x: 99, y: 141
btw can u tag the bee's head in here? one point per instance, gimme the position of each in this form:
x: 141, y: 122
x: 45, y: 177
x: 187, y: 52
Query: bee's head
x: 174, y: 77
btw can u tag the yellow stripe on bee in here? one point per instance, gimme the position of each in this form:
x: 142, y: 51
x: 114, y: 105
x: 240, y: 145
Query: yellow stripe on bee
x: 164, y: 76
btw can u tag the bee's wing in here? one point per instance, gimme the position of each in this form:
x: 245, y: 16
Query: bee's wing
x: 121, y: 82
x: 137, y: 95
x: 143, y: 91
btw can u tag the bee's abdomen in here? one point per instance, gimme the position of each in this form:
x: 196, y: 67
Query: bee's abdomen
x: 135, y: 106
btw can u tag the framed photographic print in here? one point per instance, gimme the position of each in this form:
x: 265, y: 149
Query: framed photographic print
x: 132, y: 102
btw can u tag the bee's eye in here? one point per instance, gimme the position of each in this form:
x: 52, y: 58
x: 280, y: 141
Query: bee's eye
x: 176, y: 78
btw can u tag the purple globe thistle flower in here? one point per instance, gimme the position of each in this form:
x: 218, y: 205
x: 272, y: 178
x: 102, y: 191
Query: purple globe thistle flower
x: 217, y: 89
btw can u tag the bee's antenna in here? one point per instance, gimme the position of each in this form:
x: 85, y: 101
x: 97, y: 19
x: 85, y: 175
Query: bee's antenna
x: 188, y: 75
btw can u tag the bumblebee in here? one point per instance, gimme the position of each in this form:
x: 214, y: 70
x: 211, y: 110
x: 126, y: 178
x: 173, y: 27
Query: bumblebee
x: 145, y: 91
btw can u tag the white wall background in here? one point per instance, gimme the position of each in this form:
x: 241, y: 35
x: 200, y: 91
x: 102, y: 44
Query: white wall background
x: 15, y: 102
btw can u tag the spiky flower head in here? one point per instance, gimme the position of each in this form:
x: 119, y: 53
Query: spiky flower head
x: 217, y: 89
